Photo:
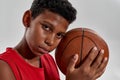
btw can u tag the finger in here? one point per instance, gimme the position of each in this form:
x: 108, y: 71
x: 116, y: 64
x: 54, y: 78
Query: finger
x: 102, y: 65
x: 91, y: 56
x: 99, y: 74
x: 72, y: 63
x: 101, y: 68
x: 98, y: 60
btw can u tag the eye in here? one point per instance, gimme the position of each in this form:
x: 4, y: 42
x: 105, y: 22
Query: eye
x: 45, y: 27
x: 60, y: 35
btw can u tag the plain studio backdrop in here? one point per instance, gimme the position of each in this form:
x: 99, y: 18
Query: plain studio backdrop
x: 101, y: 15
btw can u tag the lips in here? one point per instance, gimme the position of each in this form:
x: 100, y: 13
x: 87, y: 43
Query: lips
x: 43, y: 50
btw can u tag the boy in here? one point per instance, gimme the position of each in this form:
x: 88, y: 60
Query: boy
x: 45, y: 24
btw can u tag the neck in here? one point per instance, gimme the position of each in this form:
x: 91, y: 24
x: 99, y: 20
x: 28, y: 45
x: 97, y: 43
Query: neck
x: 23, y: 49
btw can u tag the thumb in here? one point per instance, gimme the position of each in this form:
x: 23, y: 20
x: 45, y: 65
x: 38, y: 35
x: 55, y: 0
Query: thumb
x: 71, y: 65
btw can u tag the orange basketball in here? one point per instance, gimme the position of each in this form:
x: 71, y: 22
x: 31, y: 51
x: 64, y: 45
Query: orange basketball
x: 78, y: 41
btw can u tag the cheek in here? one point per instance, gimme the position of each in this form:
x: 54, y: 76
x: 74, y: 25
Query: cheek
x: 57, y: 43
x: 29, y: 37
x: 34, y: 36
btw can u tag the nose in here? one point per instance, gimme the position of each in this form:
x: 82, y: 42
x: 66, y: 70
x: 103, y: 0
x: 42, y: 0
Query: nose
x: 50, y: 40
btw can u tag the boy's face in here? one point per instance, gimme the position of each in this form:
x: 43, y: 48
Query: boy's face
x: 45, y: 32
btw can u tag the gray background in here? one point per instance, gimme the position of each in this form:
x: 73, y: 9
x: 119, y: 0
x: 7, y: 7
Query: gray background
x: 101, y: 15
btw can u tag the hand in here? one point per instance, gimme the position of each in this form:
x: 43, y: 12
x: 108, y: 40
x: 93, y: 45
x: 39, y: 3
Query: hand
x: 92, y: 68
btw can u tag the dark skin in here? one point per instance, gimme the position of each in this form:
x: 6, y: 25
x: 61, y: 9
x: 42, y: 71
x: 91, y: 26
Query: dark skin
x: 42, y: 35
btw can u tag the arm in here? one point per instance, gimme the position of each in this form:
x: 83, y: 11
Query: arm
x: 92, y: 68
x: 5, y: 71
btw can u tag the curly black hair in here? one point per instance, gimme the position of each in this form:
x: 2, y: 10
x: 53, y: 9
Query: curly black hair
x: 62, y: 7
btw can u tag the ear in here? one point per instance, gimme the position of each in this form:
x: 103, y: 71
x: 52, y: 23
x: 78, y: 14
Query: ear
x: 27, y: 18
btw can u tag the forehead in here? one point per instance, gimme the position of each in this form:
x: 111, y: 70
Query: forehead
x: 53, y: 19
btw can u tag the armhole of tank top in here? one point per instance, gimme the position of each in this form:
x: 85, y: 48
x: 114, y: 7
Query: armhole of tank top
x: 40, y: 63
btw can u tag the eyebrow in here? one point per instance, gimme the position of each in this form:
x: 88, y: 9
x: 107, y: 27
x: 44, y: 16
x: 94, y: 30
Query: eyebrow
x: 50, y: 25
x: 63, y: 33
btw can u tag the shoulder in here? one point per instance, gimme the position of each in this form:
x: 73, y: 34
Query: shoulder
x: 5, y: 71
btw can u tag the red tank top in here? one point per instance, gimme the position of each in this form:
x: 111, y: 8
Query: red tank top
x: 23, y: 71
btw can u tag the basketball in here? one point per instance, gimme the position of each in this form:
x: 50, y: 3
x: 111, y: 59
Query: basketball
x: 78, y: 41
